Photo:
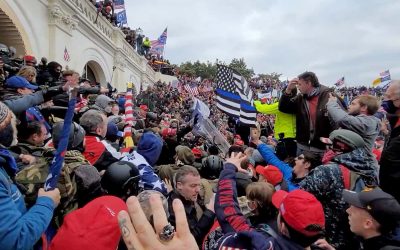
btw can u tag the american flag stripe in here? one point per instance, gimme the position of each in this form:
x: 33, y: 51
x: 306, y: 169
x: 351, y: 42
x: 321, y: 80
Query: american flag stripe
x: 384, y: 73
x: 192, y: 89
x: 67, y: 58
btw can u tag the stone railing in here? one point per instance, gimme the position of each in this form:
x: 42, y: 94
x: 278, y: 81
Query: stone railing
x: 85, y: 14
x: 150, y: 72
x: 131, y: 53
x: 87, y: 10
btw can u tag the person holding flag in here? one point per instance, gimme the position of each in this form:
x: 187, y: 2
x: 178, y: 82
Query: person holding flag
x: 20, y: 228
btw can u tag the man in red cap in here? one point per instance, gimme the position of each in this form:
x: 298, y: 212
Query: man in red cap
x: 30, y: 60
x: 273, y: 175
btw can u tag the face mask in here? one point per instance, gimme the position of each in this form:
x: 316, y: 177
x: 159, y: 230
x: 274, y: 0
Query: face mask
x: 389, y: 107
x: 108, y: 109
x: 328, y: 156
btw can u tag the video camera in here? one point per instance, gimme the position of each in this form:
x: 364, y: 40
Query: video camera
x: 11, y: 65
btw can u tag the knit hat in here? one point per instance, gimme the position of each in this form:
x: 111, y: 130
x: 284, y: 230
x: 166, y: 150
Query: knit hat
x: 5, y: 115
x: 185, y: 154
x: 301, y: 211
x: 93, y: 226
x: 271, y: 173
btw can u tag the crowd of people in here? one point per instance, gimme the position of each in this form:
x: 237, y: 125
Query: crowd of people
x: 135, y: 37
x: 316, y: 172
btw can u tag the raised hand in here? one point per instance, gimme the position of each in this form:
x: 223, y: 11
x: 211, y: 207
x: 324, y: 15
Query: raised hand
x: 138, y: 234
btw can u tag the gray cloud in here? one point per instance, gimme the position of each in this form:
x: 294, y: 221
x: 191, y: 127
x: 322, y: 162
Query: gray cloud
x: 334, y: 38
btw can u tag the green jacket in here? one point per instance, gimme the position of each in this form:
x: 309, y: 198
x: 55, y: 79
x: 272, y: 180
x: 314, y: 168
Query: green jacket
x: 284, y: 123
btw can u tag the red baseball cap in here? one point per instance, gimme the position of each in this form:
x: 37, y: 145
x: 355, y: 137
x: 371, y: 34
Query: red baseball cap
x: 237, y: 137
x: 239, y: 142
x: 29, y: 58
x: 144, y: 107
x: 301, y: 211
x: 168, y: 132
x: 271, y: 173
x: 197, y: 152
x: 95, y: 226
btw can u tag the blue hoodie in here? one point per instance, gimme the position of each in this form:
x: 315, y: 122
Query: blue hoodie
x: 150, y: 147
x: 146, y: 155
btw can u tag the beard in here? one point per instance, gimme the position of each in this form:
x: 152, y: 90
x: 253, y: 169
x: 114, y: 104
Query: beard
x: 354, y: 112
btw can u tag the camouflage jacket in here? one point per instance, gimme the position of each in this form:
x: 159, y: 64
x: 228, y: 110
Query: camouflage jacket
x: 326, y: 183
x: 34, y: 176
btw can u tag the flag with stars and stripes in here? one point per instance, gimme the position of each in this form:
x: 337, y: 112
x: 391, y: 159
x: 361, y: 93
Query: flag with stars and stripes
x: 234, y: 96
x: 67, y: 58
x: 192, y: 89
x: 340, y: 82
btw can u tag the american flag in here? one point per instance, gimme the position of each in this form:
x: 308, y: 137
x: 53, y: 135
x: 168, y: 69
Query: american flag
x: 385, y: 75
x: 340, y: 82
x: 234, y: 95
x: 67, y: 58
x: 157, y: 46
x: 192, y: 89
x: 119, y: 4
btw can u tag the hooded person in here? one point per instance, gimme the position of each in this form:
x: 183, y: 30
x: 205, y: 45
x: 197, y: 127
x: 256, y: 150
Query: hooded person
x: 104, y: 103
x: 51, y: 75
x: 346, y: 157
x: 20, y: 228
x: 144, y: 157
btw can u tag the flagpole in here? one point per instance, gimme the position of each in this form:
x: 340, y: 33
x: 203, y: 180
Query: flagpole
x: 58, y: 160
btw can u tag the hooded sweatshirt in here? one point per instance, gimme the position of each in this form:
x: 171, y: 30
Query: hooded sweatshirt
x: 326, y: 183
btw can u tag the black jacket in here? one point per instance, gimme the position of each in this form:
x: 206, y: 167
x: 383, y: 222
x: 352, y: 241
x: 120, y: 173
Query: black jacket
x: 198, y: 227
x: 293, y: 104
x: 389, y: 174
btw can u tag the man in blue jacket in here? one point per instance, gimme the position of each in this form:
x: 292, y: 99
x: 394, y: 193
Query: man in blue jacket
x: 304, y: 163
x: 20, y: 228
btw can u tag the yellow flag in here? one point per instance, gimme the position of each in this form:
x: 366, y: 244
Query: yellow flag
x: 376, y: 82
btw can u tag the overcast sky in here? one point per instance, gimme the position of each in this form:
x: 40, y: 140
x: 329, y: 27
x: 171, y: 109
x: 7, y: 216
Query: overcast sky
x: 356, y: 39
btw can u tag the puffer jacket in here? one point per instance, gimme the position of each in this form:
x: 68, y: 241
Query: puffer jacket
x: 326, y: 183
